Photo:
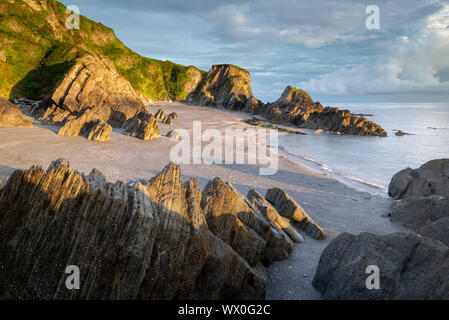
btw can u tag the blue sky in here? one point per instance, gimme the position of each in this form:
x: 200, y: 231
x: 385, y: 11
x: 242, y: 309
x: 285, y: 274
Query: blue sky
x: 323, y: 46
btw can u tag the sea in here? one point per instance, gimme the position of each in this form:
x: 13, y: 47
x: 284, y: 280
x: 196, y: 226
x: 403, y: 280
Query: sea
x: 369, y: 163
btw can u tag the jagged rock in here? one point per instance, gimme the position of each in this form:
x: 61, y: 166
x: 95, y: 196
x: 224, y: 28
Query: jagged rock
x: 160, y: 114
x: 232, y: 218
x: 225, y: 85
x: 88, y: 125
x: 290, y: 209
x: 173, y: 135
x: 11, y: 116
x: 142, y: 126
x: 271, y: 215
x: 99, y: 131
x: 93, y: 82
x: 252, y: 105
x: 296, y: 107
x: 411, y: 267
x: 432, y: 178
x: 399, y: 133
x: 174, y: 116
x: 140, y: 241
x: 167, y: 120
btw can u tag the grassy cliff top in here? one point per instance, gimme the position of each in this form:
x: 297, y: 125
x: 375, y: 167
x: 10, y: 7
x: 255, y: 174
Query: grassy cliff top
x: 36, y: 49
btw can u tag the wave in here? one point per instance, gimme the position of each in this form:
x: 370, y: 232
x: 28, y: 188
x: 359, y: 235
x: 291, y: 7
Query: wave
x: 335, y: 173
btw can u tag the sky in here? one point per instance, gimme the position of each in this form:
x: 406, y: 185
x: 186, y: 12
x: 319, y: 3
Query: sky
x: 321, y: 46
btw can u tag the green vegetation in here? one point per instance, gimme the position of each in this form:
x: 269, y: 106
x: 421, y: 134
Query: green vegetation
x: 263, y: 124
x: 36, y: 50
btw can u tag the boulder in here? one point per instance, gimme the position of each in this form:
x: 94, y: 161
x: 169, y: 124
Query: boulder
x: 173, y: 135
x: 290, y: 209
x: 232, y: 218
x: 432, y: 178
x: 12, y: 116
x: 143, y: 126
x: 159, y: 114
x: 225, y: 85
x: 167, y: 120
x: 416, y: 213
x: 99, y: 131
x: 271, y: 215
x: 411, y: 267
x: 437, y: 230
x: 146, y: 240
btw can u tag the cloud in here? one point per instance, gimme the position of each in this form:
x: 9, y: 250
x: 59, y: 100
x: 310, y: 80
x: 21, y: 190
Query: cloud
x: 323, y: 45
x: 410, y: 65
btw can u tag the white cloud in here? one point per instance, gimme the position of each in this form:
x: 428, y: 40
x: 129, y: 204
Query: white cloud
x: 409, y: 66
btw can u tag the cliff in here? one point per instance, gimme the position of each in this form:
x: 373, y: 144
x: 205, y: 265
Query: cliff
x: 224, y: 85
x: 36, y: 50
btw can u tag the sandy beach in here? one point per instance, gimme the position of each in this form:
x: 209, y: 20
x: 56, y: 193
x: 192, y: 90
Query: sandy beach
x: 335, y: 206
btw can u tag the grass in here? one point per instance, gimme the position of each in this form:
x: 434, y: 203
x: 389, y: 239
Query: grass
x: 37, y: 55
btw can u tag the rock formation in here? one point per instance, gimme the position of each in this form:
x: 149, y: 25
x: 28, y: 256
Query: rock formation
x: 271, y: 215
x: 143, y: 126
x: 411, y: 267
x: 424, y: 194
x: 157, y: 240
x: 99, y: 131
x: 11, y: 116
x: 230, y: 87
x: 290, y: 209
x: 160, y: 114
x: 431, y: 178
x: 93, y: 83
x: 296, y: 107
x: 225, y: 85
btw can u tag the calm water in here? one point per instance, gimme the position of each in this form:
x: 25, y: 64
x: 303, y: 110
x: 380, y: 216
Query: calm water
x: 368, y: 163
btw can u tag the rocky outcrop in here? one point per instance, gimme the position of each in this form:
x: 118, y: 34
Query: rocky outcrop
x: 143, y: 126
x: 290, y: 209
x: 296, y: 107
x: 271, y: 215
x: 160, y: 114
x: 416, y: 213
x: 424, y: 195
x: 161, y: 239
x: 232, y: 218
x: 411, y: 267
x: 225, y: 85
x: 11, y: 116
x: 431, y: 178
x: 99, y: 131
x: 93, y: 83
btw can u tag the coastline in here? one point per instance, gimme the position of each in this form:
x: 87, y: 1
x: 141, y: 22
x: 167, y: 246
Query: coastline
x: 334, y: 205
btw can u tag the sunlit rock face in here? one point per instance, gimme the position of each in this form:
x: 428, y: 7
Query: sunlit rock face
x: 161, y: 239
x: 11, y: 116
x: 225, y: 85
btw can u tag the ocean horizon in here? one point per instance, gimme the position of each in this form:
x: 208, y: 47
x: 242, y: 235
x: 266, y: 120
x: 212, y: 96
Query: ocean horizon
x: 369, y: 163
